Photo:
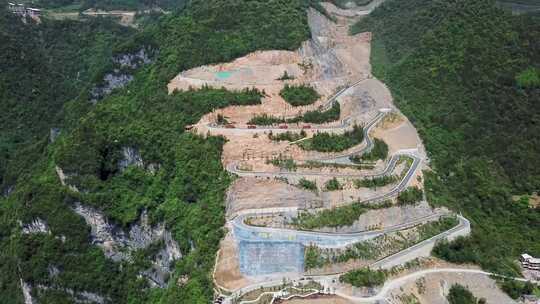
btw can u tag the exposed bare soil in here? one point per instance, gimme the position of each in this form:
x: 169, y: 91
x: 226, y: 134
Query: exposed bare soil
x: 252, y: 193
x: 227, y: 272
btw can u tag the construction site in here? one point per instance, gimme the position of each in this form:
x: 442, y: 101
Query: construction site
x: 276, y: 206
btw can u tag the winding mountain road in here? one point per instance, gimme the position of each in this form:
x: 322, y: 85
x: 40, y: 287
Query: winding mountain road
x: 462, y: 227
x: 244, y: 232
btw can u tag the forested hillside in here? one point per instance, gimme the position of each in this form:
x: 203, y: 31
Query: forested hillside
x: 41, y: 68
x: 467, y: 74
x: 179, y: 180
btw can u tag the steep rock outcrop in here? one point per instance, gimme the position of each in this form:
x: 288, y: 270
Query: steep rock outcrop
x: 122, y: 74
x: 321, y: 49
x: 134, y: 60
x: 118, y: 244
x: 130, y: 157
x: 36, y: 226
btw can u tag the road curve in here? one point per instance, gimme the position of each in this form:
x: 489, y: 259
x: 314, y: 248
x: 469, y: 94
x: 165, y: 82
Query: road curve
x: 391, y: 165
x: 246, y: 232
x: 463, y: 226
x: 397, y: 282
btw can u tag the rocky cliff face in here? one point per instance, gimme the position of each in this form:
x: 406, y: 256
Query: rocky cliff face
x: 118, y: 244
x: 134, y: 60
x: 78, y: 296
x: 122, y: 74
x: 36, y: 226
x: 26, y: 289
x: 321, y: 49
x: 130, y: 157
x: 160, y: 271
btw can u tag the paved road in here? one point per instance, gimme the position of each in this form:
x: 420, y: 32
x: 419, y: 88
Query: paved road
x: 246, y: 232
x: 388, y: 286
x: 400, y: 281
x: 390, y: 165
x: 365, y: 146
x: 322, y: 239
x: 464, y: 225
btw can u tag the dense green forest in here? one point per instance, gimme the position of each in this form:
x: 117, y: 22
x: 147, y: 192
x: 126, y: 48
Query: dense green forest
x: 81, y: 5
x: 42, y: 68
x: 181, y: 181
x: 453, y: 68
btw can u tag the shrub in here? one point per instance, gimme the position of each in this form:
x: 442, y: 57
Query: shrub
x: 284, y: 163
x: 410, y: 196
x: 529, y: 78
x: 375, y: 182
x: 336, y: 217
x: 287, y: 136
x: 315, y: 116
x: 333, y: 185
x: 364, y: 277
x: 319, y: 117
x: 345, y: 3
x: 265, y: 120
x: 516, y: 289
x: 379, y: 151
x: 460, y: 295
x: 458, y: 251
x: 285, y: 76
x: 313, y: 259
x: 307, y: 184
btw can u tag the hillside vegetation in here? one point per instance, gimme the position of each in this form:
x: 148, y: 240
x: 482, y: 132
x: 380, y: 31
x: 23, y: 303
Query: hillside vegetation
x: 181, y: 181
x: 453, y: 68
x: 42, y: 68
